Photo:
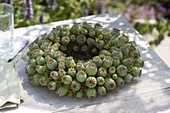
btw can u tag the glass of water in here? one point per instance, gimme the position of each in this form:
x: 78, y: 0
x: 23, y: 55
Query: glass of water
x: 6, y: 28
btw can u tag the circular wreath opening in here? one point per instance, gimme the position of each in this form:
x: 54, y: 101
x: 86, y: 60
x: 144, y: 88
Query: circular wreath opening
x: 83, y: 60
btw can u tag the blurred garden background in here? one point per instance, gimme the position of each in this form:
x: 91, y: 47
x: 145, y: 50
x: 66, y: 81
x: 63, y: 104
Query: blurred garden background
x: 150, y: 17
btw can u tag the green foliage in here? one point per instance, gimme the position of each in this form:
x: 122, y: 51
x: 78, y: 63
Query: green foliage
x: 153, y: 22
x: 157, y: 29
x: 64, y: 9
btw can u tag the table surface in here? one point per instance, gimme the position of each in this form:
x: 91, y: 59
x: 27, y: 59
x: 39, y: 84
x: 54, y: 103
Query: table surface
x: 149, y: 93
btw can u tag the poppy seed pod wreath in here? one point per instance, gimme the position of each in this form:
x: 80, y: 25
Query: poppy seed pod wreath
x: 83, y: 60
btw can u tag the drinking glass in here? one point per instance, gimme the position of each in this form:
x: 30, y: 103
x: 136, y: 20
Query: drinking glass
x: 6, y: 28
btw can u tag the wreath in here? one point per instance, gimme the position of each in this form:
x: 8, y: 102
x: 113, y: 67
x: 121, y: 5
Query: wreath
x: 83, y: 60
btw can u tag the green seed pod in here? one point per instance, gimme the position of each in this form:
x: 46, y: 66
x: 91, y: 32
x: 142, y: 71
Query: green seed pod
x: 52, y: 85
x: 119, y: 81
x: 91, y: 93
x: 35, y: 79
x: 123, y: 38
x: 102, y: 56
x: 110, y: 84
x: 71, y: 71
x: 107, y: 36
x: 36, y: 53
x: 84, y: 48
x: 62, y: 91
x: 61, y: 65
x: 91, y: 82
x: 83, y: 31
x: 79, y: 94
x: 30, y: 70
x: 107, y: 46
x: 61, y: 58
x: 47, y: 51
x: 136, y: 72
x: 128, y: 78
x: 70, y: 62
x: 107, y: 61
x: 52, y: 64
x: 56, y: 32
x: 40, y: 60
x: 81, y: 39
x: 45, y: 44
x: 121, y: 70
x: 51, y: 36
x: 105, y: 52
x: 74, y: 29
x: 43, y: 81
x: 67, y: 79
x: 47, y: 58
x: 57, y: 39
x: 120, y: 44
x: 100, y: 37
x: 55, y: 46
x: 125, y: 51
x: 65, y: 40
x: 26, y: 58
x: 39, y: 41
x: 114, y: 41
x: 33, y: 46
x: 41, y: 69
x: 65, y: 33
x: 94, y: 51
x: 66, y: 27
x: 135, y: 54
x: 53, y: 54
x: 115, y: 32
x: 33, y: 62
x: 90, y: 42
x: 114, y: 48
x: 63, y: 48
x: 81, y: 76
x: 92, y: 33
x: 116, y: 61
x: 54, y: 75
x: 139, y: 62
x: 97, y: 60
x: 117, y: 53
x: 73, y: 38
x: 127, y: 62
x: 59, y: 28
x: 101, y: 90
x: 75, y: 48
x: 45, y: 36
x: 102, y: 72
x: 112, y: 70
x: 88, y: 26
x: 80, y: 66
x: 114, y: 76
x: 61, y: 72
x: 98, y: 31
x: 91, y: 69
x: 75, y: 86
x: 100, y: 44
x: 100, y: 80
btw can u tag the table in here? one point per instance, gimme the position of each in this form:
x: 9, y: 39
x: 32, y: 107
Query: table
x: 149, y: 93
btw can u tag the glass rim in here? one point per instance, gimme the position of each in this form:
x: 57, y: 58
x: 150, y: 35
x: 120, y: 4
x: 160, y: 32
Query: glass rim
x: 8, y: 5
